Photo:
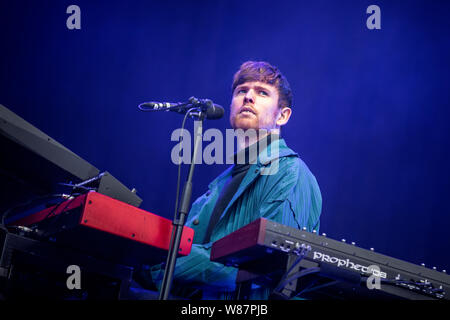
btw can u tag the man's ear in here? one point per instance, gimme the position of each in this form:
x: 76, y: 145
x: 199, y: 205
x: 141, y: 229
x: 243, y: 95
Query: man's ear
x: 284, y: 116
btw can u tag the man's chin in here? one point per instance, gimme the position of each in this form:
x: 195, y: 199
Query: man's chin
x: 245, y: 125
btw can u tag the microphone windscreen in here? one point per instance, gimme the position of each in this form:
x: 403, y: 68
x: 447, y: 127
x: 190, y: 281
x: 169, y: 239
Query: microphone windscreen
x: 215, y: 112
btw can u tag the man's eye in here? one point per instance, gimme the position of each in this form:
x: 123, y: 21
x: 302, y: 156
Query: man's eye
x: 242, y: 91
x: 264, y: 93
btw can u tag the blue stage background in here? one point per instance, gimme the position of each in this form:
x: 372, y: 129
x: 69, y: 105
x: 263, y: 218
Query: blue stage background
x: 370, y: 115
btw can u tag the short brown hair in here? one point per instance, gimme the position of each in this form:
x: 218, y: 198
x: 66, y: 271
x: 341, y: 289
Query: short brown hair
x: 264, y: 72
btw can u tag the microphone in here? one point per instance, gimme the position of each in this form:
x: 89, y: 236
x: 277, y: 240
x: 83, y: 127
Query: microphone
x: 160, y: 105
x: 211, y: 110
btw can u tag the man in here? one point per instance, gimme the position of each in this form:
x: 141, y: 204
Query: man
x: 278, y: 186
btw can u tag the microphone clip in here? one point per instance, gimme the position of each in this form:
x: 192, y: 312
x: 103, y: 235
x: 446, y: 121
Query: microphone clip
x: 200, y: 106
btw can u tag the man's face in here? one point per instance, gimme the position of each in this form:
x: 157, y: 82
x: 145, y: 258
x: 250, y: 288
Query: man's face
x: 254, y: 106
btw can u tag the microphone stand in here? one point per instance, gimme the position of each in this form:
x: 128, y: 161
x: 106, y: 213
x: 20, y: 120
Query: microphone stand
x: 178, y: 224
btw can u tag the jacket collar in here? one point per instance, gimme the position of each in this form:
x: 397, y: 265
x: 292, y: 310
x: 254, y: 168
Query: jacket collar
x: 264, y: 159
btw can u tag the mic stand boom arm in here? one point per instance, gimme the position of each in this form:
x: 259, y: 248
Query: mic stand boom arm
x: 182, y: 214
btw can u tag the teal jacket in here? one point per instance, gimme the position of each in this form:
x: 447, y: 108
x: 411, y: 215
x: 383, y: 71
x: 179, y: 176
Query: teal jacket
x: 279, y: 187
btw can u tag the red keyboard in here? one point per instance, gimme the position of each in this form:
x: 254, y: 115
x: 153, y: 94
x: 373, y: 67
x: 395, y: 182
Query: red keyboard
x: 108, y: 228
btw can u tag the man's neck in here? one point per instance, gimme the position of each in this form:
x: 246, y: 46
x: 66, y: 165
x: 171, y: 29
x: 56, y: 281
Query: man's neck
x: 252, y: 139
x: 250, y: 153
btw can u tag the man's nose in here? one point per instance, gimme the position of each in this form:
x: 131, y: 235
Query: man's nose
x: 249, y: 96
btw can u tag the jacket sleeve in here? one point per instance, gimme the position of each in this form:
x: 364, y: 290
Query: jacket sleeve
x: 196, y: 270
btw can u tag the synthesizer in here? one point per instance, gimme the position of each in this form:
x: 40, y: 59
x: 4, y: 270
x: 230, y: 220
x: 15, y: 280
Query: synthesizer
x: 105, y: 228
x: 326, y: 268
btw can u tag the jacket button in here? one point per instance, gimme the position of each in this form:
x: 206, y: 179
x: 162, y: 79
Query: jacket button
x: 196, y: 222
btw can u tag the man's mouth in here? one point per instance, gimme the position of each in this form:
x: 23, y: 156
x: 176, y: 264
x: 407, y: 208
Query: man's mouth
x: 247, y: 110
